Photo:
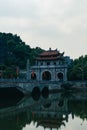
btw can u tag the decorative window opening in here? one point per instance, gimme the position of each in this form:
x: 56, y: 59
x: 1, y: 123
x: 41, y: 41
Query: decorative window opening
x: 48, y: 63
x: 54, y: 63
x: 41, y: 63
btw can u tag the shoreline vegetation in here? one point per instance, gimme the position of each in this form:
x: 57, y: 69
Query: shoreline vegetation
x: 16, y: 53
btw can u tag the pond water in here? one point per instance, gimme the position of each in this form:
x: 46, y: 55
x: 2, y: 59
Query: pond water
x: 65, y: 111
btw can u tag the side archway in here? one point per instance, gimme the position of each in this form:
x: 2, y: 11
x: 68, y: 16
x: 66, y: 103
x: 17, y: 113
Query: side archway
x: 33, y: 76
x: 60, y: 76
x: 46, y: 75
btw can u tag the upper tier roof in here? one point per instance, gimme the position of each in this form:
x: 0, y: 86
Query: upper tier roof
x: 50, y: 54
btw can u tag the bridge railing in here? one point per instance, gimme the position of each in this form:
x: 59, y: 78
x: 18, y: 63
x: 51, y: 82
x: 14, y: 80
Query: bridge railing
x: 12, y: 80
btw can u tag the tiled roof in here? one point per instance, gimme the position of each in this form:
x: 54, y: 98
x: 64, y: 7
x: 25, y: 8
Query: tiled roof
x: 46, y: 53
x: 49, y: 58
x: 50, y: 55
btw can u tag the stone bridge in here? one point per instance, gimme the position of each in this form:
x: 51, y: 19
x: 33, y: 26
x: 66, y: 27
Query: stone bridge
x: 27, y: 86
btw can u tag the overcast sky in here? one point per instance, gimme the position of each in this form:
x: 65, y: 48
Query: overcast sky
x: 60, y: 24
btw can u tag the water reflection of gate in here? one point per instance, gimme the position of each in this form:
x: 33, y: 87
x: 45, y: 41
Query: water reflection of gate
x: 48, y: 113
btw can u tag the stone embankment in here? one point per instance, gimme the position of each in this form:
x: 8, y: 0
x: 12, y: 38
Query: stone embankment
x: 75, y: 85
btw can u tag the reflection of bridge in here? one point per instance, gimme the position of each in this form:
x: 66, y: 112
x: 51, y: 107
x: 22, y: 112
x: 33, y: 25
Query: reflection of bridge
x: 50, y: 105
x: 39, y: 111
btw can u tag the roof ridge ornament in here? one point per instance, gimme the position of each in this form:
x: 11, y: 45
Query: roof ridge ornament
x: 50, y: 49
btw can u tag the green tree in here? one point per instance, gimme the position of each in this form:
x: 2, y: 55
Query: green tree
x: 14, y: 52
x: 78, y: 71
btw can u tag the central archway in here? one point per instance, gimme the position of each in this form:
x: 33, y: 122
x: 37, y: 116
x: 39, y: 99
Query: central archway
x: 46, y: 75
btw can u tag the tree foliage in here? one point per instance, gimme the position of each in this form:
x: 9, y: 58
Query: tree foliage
x: 78, y: 70
x: 14, y: 52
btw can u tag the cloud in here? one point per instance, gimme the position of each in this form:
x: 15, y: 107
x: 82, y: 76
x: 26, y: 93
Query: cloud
x: 58, y: 24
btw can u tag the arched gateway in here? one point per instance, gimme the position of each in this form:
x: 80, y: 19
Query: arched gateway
x: 46, y: 75
x: 33, y: 76
x: 50, y: 65
x: 60, y: 76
